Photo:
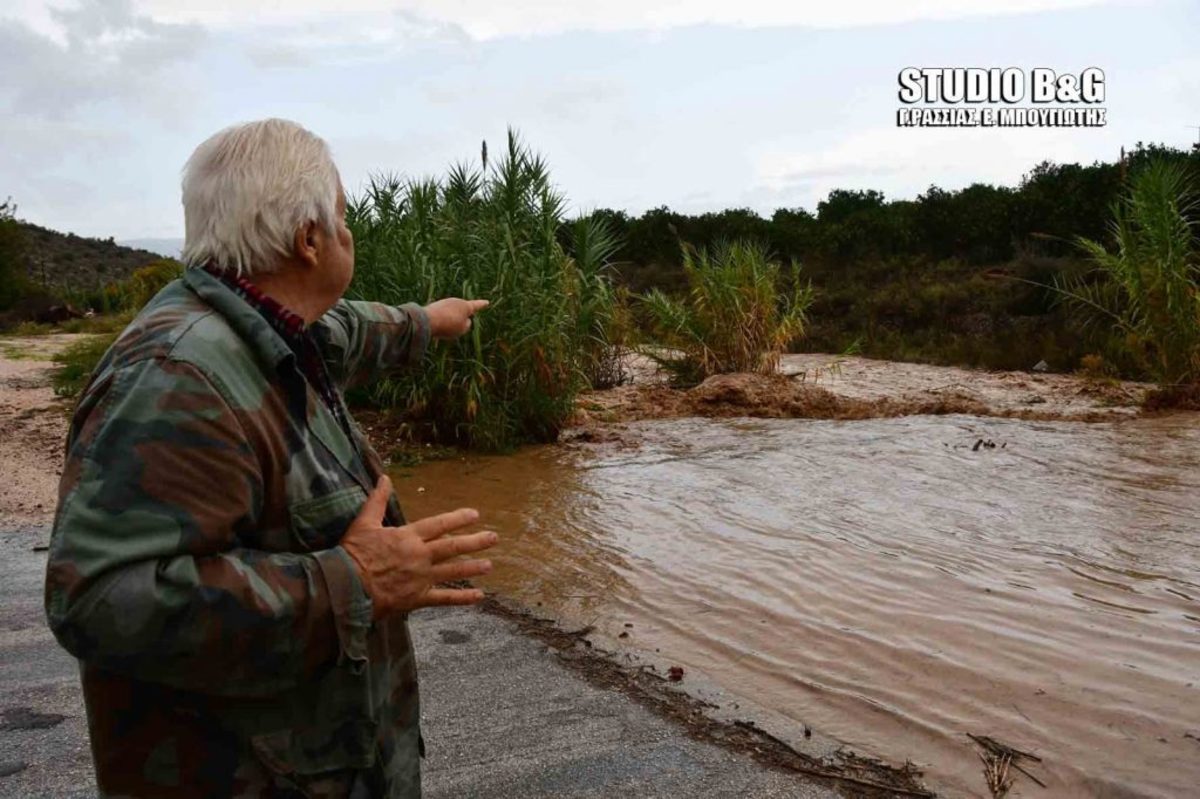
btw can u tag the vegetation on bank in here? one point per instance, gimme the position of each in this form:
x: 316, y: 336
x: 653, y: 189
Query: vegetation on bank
x: 494, y: 234
x: 734, y: 317
x: 1146, y: 285
x: 952, y: 277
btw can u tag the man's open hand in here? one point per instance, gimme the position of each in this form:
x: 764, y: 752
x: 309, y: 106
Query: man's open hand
x: 401, y: 565
x: 451, y: 317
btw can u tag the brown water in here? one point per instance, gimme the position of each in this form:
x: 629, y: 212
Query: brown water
x: 884, y: 583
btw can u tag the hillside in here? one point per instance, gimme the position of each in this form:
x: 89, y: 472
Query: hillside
x: 66, y: 263
x: 168, y: 247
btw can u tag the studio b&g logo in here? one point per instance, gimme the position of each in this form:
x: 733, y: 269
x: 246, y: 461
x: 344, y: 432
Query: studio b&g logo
x: 968, y: 97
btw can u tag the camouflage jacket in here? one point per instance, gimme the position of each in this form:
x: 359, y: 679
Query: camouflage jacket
x: 225, y: 639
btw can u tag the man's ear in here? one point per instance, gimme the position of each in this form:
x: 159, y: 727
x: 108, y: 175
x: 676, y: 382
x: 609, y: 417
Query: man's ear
x: 307, y: 244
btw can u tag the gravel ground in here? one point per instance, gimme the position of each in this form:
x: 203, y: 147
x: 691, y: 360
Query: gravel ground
x: 33, y: 426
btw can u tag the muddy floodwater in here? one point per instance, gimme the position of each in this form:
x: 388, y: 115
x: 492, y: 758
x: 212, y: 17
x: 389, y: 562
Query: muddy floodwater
x: 888, y: 582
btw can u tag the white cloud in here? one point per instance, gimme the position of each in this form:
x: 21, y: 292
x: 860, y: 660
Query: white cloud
x: 487, y: 19
x: 102, y: 100
x: 79, y: 93
x: 345, y: 39
x: 99, y: 50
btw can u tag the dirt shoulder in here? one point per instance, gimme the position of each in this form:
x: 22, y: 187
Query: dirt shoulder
x: 33, y: 427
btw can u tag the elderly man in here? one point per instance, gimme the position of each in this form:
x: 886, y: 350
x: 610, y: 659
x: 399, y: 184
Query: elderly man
x: 228, y: 562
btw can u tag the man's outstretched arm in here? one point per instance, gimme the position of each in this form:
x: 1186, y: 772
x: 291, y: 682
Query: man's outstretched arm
x: 363, y: 341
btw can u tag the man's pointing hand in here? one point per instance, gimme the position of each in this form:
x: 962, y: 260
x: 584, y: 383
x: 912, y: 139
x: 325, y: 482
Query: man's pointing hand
x: 451, y: 317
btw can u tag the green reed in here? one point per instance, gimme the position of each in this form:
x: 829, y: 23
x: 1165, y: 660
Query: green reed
x: 737, y: 314
x: 1148, y: 284
x: 488, y: 233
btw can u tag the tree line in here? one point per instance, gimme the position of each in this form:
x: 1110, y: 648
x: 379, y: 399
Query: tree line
x: 952, y: 276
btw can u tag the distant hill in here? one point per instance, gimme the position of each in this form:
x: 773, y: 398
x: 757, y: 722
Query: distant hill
x: 64, y: 261
x: 171, y: 248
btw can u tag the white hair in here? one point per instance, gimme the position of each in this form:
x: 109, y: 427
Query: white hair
x: 246, y: 191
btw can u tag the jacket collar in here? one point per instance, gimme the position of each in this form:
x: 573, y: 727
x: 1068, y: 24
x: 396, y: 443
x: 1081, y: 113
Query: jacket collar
x: 246, y: 321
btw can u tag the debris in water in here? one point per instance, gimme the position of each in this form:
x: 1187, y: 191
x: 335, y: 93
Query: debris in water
x: 997, y: 759
x: 1041, y: 366
x: 995, y: 772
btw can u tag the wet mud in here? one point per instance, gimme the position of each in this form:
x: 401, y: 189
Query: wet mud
x: 831, y: 387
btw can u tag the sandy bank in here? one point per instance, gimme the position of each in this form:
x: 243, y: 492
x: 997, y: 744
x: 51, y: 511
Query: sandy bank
x: 814, y: 386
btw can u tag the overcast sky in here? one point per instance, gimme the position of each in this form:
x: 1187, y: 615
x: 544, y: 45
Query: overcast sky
x: 694, y: 104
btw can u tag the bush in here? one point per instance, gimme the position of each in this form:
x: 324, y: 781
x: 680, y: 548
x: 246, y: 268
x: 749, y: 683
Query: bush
x: 77, y: 363
x: 491, y: 234
x: 734, y: 318
x: 141, y: 286
x: 1149, y: 286
x: 125, y: 298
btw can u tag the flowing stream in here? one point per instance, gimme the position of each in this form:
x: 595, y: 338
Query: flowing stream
x: 886, y: 581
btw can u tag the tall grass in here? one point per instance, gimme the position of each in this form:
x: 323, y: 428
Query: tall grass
x: 735, y: 317
x: 488, y: 234
x: 1149, y: 286
x: 604, y: 316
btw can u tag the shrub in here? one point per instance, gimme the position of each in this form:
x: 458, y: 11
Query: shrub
x: 1150, y: 281
x: 734, y: 316
x: 141, y: 286
x: 77, y: 363
x: 491, y: 234
x: 125, y: 298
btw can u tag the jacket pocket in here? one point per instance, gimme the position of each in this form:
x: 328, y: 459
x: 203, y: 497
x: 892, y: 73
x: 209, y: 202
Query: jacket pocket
x: 308, y: 752
x: 320, y: 522
x: 330, y: 725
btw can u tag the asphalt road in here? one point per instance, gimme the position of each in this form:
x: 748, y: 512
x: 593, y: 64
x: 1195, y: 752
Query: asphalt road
x: 502, y: 717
